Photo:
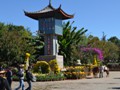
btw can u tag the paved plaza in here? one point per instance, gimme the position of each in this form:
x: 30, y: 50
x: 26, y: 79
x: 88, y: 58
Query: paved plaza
x: 107, y: 83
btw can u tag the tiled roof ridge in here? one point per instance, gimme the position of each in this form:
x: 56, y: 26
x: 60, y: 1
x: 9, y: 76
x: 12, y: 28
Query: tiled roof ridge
x: 46, y: 9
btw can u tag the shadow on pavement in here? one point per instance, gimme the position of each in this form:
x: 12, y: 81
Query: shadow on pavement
x: 117, y: 78
x: 115, y: 87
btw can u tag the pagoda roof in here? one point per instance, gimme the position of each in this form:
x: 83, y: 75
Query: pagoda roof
x: 49, y: 12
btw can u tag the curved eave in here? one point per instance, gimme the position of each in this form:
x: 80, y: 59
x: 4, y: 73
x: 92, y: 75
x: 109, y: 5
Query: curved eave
x: 65, y: 15
x: 58, y: 14
x: 37, y: 16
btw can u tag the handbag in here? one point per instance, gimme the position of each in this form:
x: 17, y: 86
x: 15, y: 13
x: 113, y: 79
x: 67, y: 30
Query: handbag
x: 33, y: 79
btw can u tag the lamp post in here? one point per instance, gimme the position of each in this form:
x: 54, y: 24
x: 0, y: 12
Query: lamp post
x: 27, y: 60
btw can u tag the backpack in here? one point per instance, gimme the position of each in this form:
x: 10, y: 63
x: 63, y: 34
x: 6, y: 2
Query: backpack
x: 33, y: 79
x: 30, y: 76
x: 20, y: 74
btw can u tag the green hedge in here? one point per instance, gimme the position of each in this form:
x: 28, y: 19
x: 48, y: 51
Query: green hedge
x: 46, y: 77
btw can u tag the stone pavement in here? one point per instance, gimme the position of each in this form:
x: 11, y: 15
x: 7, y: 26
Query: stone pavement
x: 106, y: 83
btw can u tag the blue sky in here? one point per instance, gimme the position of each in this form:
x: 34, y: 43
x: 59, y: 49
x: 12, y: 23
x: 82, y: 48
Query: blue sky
x: 97, y: 16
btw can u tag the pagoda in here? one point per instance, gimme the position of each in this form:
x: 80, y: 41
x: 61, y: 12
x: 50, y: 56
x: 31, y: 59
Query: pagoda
x: 50, y: 26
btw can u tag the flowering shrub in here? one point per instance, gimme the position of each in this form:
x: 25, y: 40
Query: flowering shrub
x: 41, y: 66
x: 54, y: 66
x: 75, y: 69
x: 74, y: 75
x: 94, y: 50
x: 74, y: 72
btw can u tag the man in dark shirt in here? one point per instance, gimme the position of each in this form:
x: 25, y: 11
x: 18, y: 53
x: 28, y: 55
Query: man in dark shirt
x: 3, y: 82
x: 29, y: 78
x: 1, y: 68
x: 9, y: 76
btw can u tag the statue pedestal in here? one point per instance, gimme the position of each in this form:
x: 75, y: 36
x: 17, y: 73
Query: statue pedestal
x: 47, y: 58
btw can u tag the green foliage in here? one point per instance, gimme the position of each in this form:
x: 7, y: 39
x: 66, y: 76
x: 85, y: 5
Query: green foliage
x: 109, y: 49
x: 38, y: 44
x: 54, y: 66
x: 14, y: 70
x: 41, y: 67
x: 13, y: 43
x: 71, y: 37
x: 114, y: 66
x: 50, y: 77
x: 45, y: 77
x: 15, y: 78
x: 116, y: 41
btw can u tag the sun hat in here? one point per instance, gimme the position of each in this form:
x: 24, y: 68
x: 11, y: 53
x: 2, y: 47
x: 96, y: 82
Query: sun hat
x: 2, y: 72
x: 22, y: 65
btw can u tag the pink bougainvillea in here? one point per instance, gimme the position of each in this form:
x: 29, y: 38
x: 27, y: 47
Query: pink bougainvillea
x: 95, y: 50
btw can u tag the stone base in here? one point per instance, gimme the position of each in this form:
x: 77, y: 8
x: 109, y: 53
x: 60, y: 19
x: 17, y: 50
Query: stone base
x: 47, y: 58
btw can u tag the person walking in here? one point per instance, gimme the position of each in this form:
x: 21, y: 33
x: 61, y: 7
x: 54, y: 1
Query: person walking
x: 29, y: 77
x: 1, y: 68
x: 106, y: 69
x: 101, y: 71
x: 4, y: 85
x: 20, y: 75
x: 9, y: 75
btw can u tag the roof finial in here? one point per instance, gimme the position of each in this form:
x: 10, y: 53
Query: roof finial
x: 49, y: 2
